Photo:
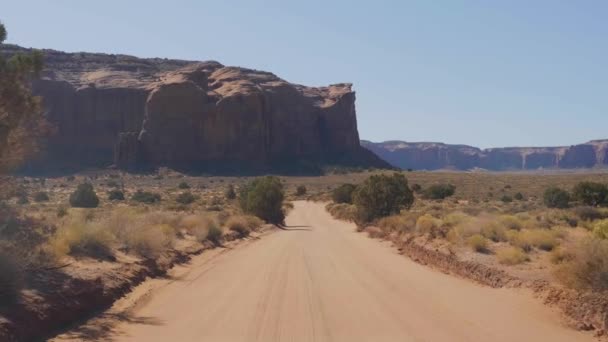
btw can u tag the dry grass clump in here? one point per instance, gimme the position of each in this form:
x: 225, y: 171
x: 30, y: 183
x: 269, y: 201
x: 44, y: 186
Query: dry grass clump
x: 149, y: 241
x: 511, y: 222
x: 78, y: 236
x: 600, y: 229
x: 427, y: 224
x: 398, y: 223
x: 239, y: 225
x: 587, y: 266
x: 493, y: 230
x: 342, y: 211
x: 478, y: 243
x: 511, y: 256
x: 543, y: 239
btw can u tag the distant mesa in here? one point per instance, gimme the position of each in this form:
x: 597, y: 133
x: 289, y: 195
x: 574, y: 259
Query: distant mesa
x: 435, y: 156
x: 139, y: 113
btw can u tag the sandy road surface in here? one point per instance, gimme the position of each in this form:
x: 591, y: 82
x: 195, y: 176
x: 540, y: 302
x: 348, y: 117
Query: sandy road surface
x: 321, y: 281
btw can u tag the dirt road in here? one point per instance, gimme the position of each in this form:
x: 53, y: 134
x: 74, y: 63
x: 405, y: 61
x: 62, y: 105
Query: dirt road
x: 321, y: 281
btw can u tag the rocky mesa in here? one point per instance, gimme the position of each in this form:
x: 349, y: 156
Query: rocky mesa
x: 434, y: 156
x: 137, y: 113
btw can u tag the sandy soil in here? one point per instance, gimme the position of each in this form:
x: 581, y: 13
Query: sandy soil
x: 321, y: 281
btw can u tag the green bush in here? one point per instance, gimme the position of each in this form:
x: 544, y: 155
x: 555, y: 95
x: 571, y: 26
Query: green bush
x: 263, y: 197
x: 146, y: 197
x: 518, y: 196
x: 381, y: 196
x: 116, y: 195
x: 41, y: 196
x: 506, y: 199
x: 215, y: 235
x: 343, y: 193
x: 185, y: 198
x: 84, y: 197
x: 230, y: 193
x: 591, y: 193
x: 183, y: 185
x: 439, y: 191
x: 301, y: 190
x: 555, y: 197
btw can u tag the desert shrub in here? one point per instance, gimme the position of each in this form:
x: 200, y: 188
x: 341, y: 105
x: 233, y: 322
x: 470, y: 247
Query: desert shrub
x: 239, y: 225
x: 382, y: 195
x: 185, y: 198
x: 455, y: 218
x: 79, y: 237
x: 149, y: 241
x: 84, y: 197
x: 146, y: 197
x: 591, y: 193
x: 375, y: 232
x: 587, y: 266
x: 427, y: 224
x: 343, y: 193
x: 398, y: 223
x: 215, y: 235
x: 510, y: 222
x: 201, y: 229
x: 62, y: 211
x: 540, y: 238
x: 342, y: 211
x: 506, y: 199
x: 462, y: 231
x: 511, y: 256
x: 555, y: 197
x: 183, y: 185
x: 22, y: 199
x: 112, y: 184
x: 10, y: 278
x: 230, y: 194
x: 493, y: 231
x: 600, y: 229
x: 560, y: 255
x: 300, y: 190
x: 416, y: 188
x: 478, y: 243
x: 588, y: 213
x: 41, y: 196
x: 263, y: 197
x: 116, y: 195
x: 439, y: 191
x: 518, y: 196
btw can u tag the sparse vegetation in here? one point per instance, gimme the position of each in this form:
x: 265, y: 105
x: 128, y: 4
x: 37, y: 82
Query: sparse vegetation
x: 555, y: 197
x: 230, y: 193
x: 586, y: 267
x: 183, y: 185
x: 591, y: 193
x: 116, y: 195
x: 41, y: 196
x: 478, y: 243
x: 300, y: 190
x: 185, y: 198
x: 84, y: 197
x: 439, y: 191
x: 511, y: 256
x: 344, y: 193
x: 600, y: 229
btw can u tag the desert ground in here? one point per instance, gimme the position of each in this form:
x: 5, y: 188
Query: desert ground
x: 318, y: 280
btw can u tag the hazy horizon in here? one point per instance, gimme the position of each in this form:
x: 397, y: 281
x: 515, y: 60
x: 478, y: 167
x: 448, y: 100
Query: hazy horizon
x: 485, y: 75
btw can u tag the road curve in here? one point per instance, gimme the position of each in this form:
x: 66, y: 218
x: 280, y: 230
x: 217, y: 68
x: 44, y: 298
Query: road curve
x: 321, y: 281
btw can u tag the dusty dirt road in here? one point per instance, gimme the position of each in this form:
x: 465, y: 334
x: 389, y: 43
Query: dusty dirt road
x: 321, y: 281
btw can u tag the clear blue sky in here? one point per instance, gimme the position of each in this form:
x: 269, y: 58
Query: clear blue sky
x: 485, y: 73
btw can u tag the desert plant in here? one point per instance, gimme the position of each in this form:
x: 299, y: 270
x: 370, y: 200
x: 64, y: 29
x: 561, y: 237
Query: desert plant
x: 416, y: 188
x: 230, y: 194
x: 591, y: 193
x: 427, y: 224
x: 84, y: 197
x: 439, y: 191
x: 185, y: 198
x: 215, y: 235
x: 146, y: 197
x: 478, y: 243
x: 493, y: 231
x: 184, y: 185
x: 518, y: 196
x: 587, y: 266
x: 62, y: 211
x: 510, y: 222
x: 511, y: 256
x: 300, y: 190
x: 116, y: 195
x: 600, y: 229
x: 41, y: 196
x: 381, y: 195
x: 506, y: 199
x: 343, y: 193
x: 555, y: 197
x: 239, y: 225
x: 263, y: 197
x: 588, y: 213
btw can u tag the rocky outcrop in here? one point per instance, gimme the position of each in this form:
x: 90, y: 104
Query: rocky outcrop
x: 157, y: 112
x: 434, y: 156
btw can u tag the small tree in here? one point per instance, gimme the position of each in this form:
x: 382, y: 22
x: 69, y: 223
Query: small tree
x: 230, y: 193
x: 263, y: 197
x: 116, y: 195
x: 591, y: 193
x: 555, y: 197
x: 146, y: 197
x: 301, y: 190
x: 84, y: 197
x: 439, y: 191
x: 343, y: 193
x: 382, y: 195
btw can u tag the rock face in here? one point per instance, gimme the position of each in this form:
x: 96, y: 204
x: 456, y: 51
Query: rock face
x: 154, y: 112
x: 433, y: 156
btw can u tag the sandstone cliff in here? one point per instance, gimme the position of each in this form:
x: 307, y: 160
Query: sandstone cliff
x: 433, y: 156
x: 132, y: 112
